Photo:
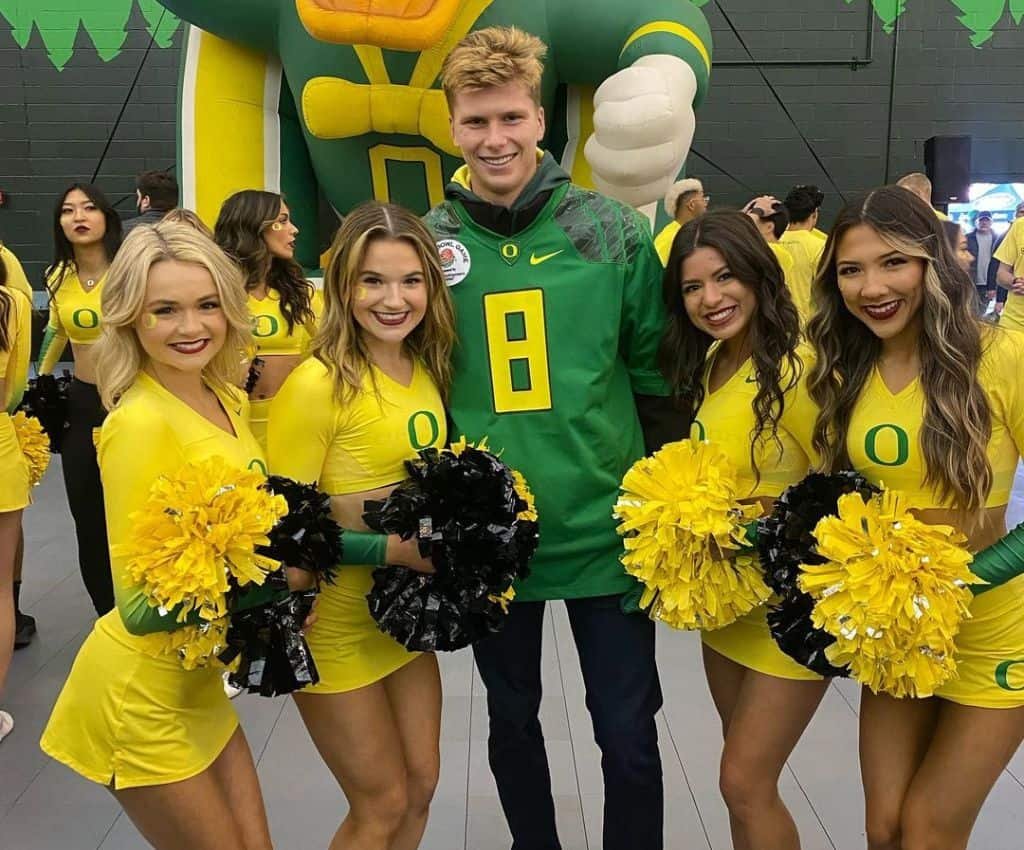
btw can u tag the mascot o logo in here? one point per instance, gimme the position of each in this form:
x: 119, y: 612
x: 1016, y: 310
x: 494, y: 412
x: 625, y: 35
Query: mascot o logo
x: 902, y: 445
x: 414, y: 431
x: 257, y: 465
x: 697, y: 431
x: 85, y: 318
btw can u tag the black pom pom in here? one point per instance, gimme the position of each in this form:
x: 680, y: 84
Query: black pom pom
x: 274, y: 657
x: 308, y: 537
x: 463, y: 511
x: 785, y: 541
x: 46, y: 398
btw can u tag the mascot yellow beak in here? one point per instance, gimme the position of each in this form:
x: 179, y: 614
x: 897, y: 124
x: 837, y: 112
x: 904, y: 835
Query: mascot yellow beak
x: 395, y: 24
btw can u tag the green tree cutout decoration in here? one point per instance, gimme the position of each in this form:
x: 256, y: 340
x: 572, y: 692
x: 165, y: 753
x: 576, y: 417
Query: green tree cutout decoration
x: 104, y: 21
x: 981, y: 16
x: 978, y: 16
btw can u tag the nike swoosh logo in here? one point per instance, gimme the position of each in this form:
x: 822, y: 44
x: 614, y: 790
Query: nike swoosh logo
x: 536, y: 261
x: 750, y: 379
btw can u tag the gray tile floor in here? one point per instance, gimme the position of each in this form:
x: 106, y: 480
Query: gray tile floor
x: 44, y: 806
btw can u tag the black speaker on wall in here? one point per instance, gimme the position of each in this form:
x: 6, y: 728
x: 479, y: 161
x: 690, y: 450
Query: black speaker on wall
x: 947, y: 160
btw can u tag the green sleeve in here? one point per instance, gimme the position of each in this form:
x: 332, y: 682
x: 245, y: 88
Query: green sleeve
x: 617, y: 34
x: 364, y: 548
x: 253, y: 23
x: 643, y: 313
x: 1001, y: 562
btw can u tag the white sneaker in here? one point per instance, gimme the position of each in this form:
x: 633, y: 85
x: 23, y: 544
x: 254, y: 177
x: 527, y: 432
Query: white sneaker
x: 6, y: 724
x: 230, y: 689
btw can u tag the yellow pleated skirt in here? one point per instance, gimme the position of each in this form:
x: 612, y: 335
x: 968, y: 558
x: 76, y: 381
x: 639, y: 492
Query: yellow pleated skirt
x: 349, y: 650
x: 749, y: 642
x: 990, y: 651
x: 129, y: 718
x: 14, y: 476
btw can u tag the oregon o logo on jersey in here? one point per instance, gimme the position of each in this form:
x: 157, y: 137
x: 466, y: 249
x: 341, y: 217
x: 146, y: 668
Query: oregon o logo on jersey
x: 509, y: 252
x: 455, y: 261
x: 887, y: 440
x: 257, y: 465
x: 85, y: 318
x: 264, y: 325
x: 697, y: 431
x: 423, y: 423
x: 1005, y: 670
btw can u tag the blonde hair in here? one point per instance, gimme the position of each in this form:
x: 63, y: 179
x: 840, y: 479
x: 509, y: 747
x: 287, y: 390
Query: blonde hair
x: 491, y: 57
x: 119, y: 356
x: 180, y: 215
x: 338, y: 343
x: 917, y: 183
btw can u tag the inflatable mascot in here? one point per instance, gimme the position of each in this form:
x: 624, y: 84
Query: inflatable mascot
x: 338, y: 99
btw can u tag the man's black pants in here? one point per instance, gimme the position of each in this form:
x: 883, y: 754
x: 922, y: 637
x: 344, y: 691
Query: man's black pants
x: 616, y: 653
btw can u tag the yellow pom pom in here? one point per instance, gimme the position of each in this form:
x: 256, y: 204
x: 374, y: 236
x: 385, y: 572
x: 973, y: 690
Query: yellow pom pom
x: 35, y: 445
x: 683, y: 523
x: 893, y: 594
x: 526, y: 494
x: 458, y: 446
x: 195, y: 646
x: 504, y: 599
x: 197, y: 529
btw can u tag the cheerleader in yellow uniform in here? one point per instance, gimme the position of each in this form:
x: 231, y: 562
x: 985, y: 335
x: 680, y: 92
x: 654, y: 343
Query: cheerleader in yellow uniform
x: 916, y: 393
x: 24, y: 624
x: 166, y: 741
x: 730, y: 353
x: 368, y: 399
x: 256, y: 230
x: 86, y: 233
x: 15, y: 339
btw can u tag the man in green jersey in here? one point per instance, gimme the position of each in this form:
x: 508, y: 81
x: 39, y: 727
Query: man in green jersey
x: 559, y: 318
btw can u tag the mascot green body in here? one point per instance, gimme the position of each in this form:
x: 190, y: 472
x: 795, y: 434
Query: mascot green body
x: 339, y: 99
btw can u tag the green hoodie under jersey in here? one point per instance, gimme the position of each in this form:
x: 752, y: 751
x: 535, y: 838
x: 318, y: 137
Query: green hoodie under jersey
x: 558, y: 324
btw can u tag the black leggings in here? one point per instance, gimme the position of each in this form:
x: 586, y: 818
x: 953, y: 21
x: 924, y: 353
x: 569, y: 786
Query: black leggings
x: 85, y: 493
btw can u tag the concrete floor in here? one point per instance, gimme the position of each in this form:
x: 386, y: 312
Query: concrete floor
x: 44, y: 806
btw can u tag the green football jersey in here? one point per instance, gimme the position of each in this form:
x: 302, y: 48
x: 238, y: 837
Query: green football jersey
x: 558, y: 326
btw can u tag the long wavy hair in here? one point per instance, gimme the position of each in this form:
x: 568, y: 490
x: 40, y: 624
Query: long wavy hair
x: 241, y: 223
x: 774, y: 326
x: 119, y: 355
x: 63, y: 250
x: 339, y: 342
x: 957, y: 418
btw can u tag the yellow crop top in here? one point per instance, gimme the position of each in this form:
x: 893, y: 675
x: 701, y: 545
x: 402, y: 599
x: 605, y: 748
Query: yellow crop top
x: 883, y: 440
x: 726, y: 418
x: 74, y: 315
x: 359, y: 446
x: 270, y: 328
x: 14, y: 361
x: 151, y: 433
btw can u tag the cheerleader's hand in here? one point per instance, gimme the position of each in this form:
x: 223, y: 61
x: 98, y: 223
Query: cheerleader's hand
x: 299, y: 579
x: 406, y: 553
x: 643, y: 127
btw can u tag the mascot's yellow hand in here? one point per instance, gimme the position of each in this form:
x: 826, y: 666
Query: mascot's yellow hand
x: 643, y: 127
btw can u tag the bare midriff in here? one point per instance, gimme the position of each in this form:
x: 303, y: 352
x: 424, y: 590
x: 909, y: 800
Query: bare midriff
x: 275, y: 368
